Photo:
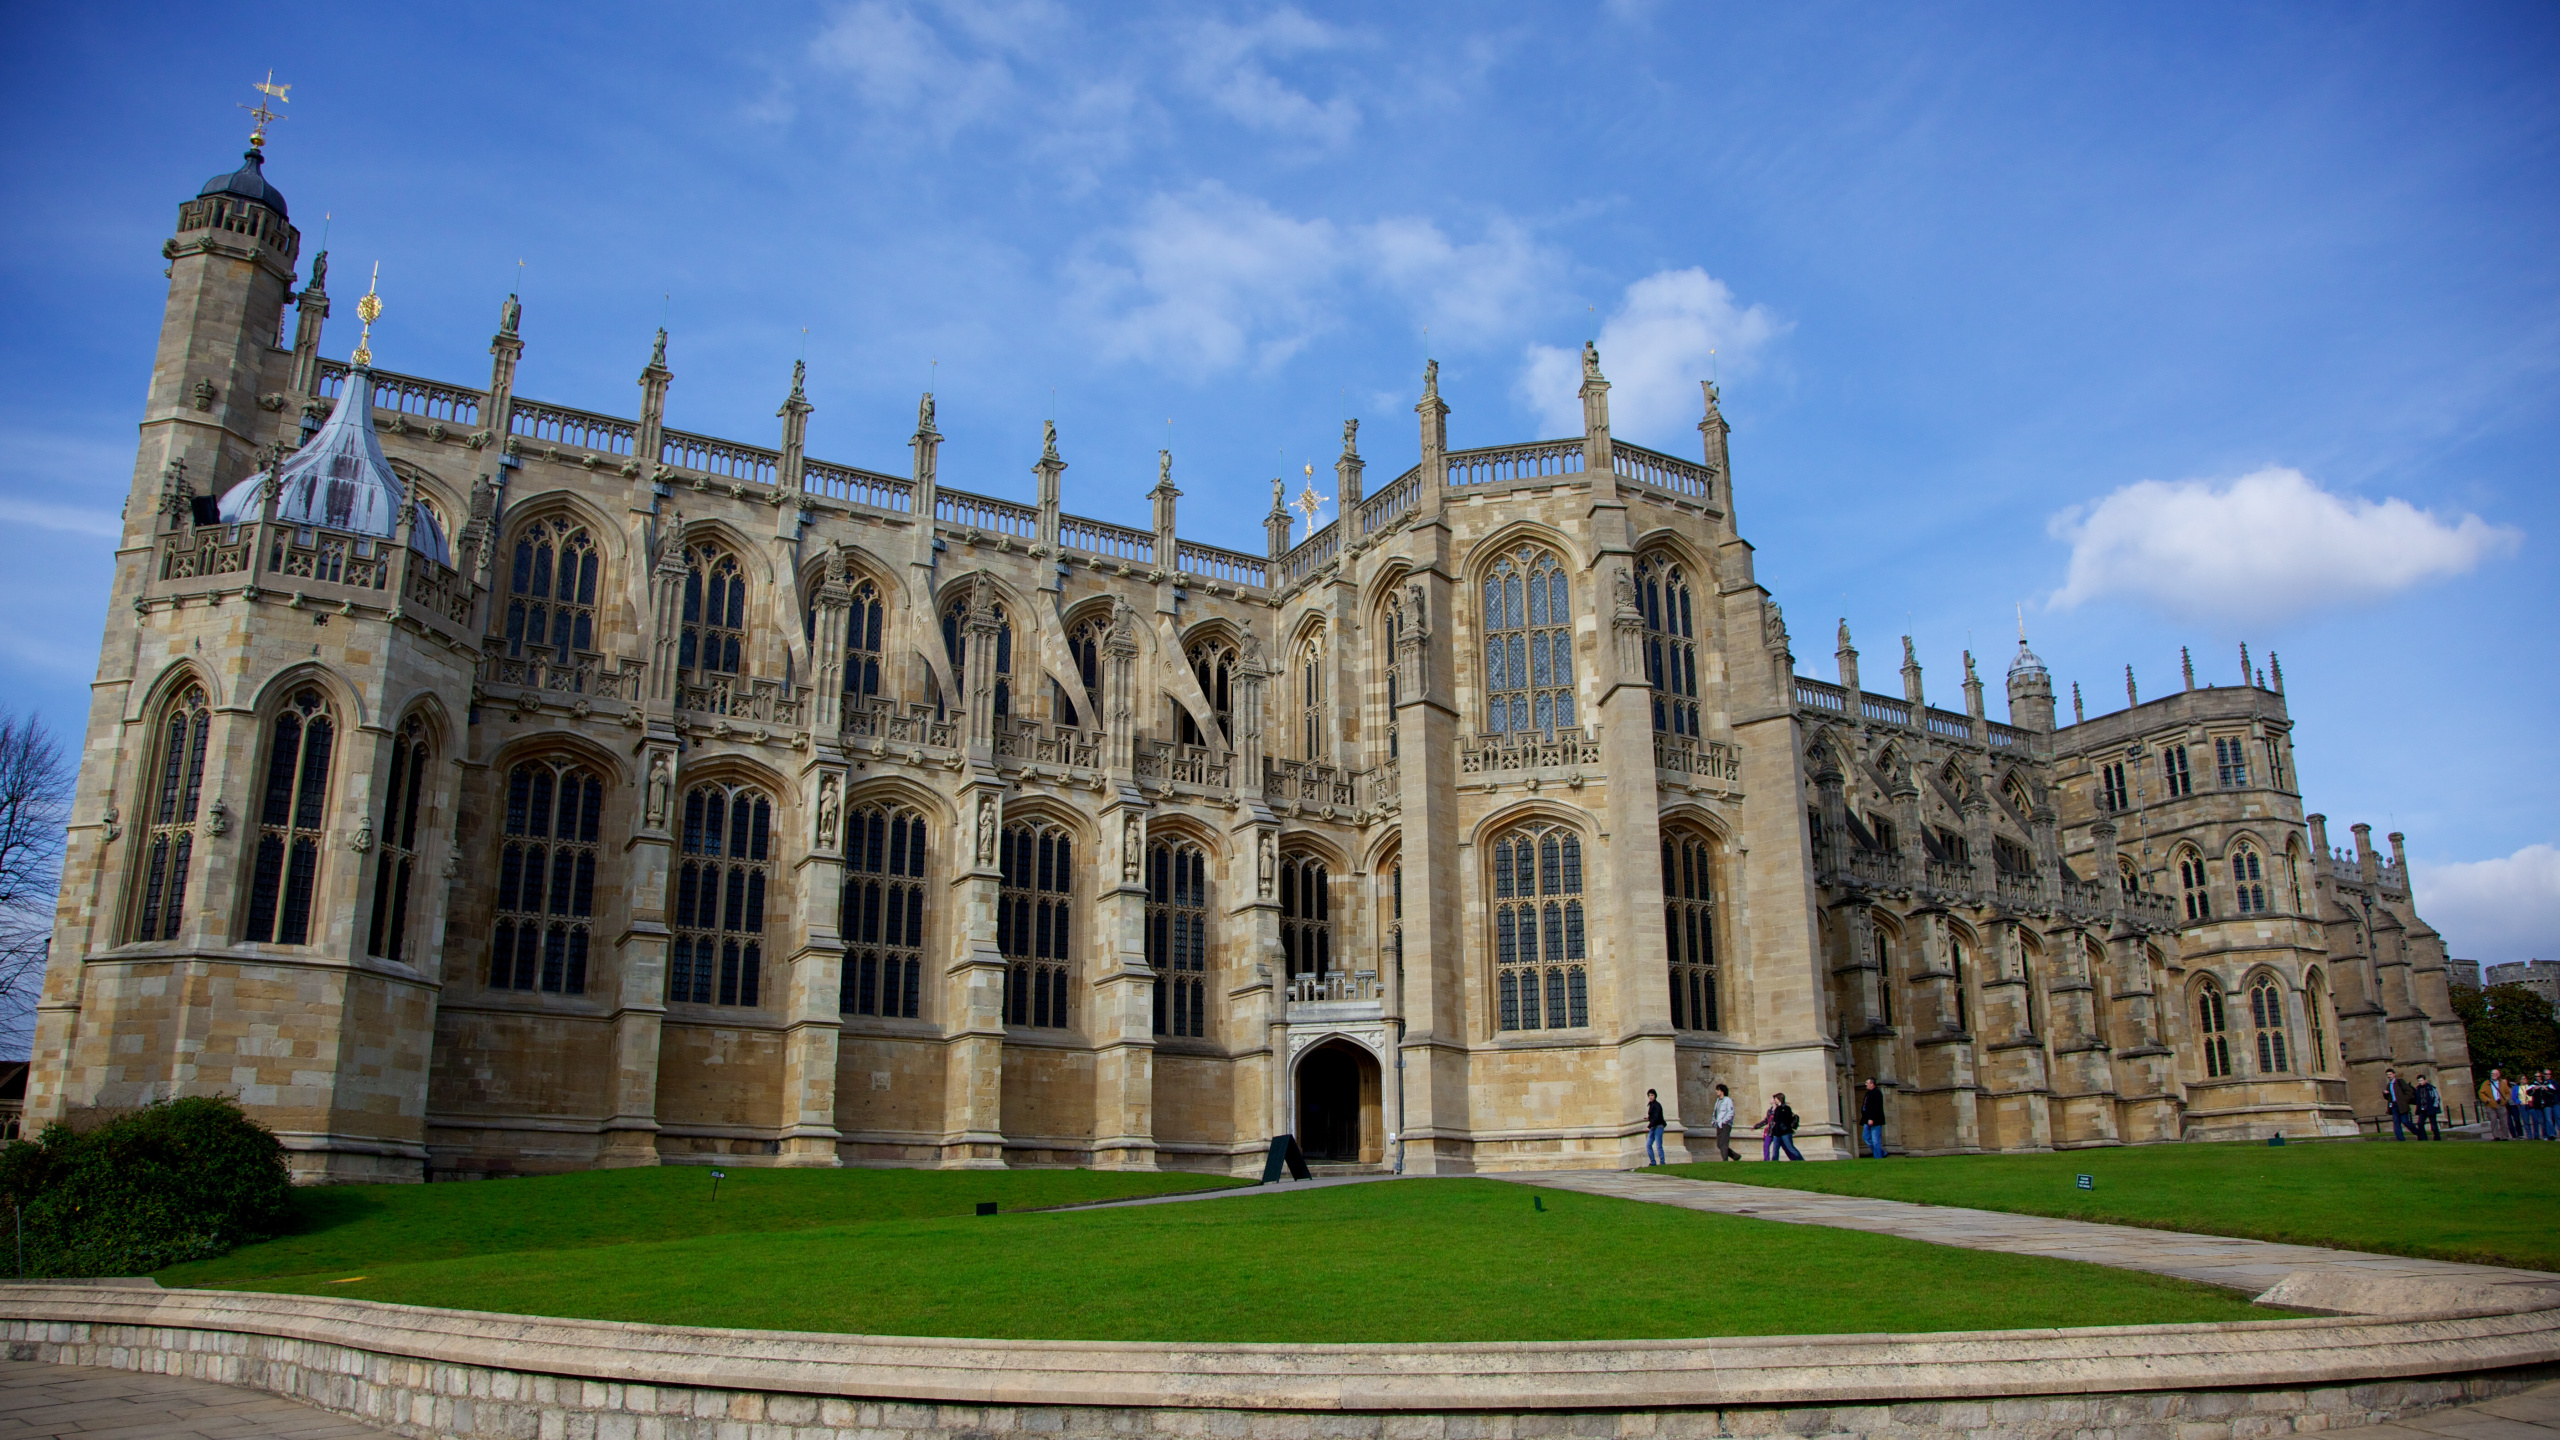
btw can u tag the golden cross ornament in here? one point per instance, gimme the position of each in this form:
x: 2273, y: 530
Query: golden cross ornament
x: 1309, y: 502
x: 260, y: 113
x: 368, y: 309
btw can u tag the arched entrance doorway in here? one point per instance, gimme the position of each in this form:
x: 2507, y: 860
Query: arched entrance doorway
x: 1339, y: 1117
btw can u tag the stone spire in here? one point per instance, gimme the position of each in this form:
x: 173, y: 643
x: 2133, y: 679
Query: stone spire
x: 654, y: 381
x: 1847, y: 655
x: 1347, y: 470
x: 1911, y: 673
x: 1275, y: 526
x: 2187, y: 666
x: 794, y: 415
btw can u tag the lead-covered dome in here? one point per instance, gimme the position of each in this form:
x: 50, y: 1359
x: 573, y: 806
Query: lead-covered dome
x: 340, y: 480
x: 249, y: 182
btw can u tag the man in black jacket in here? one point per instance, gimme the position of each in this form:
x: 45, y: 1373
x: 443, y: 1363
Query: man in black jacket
x: 1871, y: 1118
x: 2396, y: 1096
x: 1653, y: 1125
x: 2430, y: 1105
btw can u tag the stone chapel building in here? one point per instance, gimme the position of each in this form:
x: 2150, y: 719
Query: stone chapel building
x: 478, y: 785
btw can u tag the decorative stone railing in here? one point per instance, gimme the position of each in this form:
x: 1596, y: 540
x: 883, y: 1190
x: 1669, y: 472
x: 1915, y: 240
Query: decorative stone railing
x: 1488, y: 754
x: 1338, y: 986
x: 2019, y: 890
x: 1310, y: 555
x: 409, y: 395
x: 1307, y: 782
x: 332, y: 557
x: 204, y: 552
x: 722, y: 458
x: 1874, y: 869
x: 1162, y: 764
x: 881, y: 721
x: 1383, y: 509
x: 1500, y: 464
x: 225, y: 212
x: 858, y: 486
x: 310, y: 565
x: 1706, y: 759
x: 984, y: 512
x: 1111, y: 542
x: 1029, y: 741
x: 741, y: 697
x: 1685, y: 478
x: 1384, y: 785
x: 585, y: 673
x: 556, y: 425
x: 1232, y: 567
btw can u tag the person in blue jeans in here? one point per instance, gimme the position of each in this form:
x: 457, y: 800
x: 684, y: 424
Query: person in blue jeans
x: 1871, y: 1118
x: 1782, y: 1127
x: 1653, y: 1126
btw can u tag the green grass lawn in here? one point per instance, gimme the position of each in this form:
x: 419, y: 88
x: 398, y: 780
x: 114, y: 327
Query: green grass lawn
x: 1416, y: 1260
x: 2455, y: 1200
x: 343, y: 1228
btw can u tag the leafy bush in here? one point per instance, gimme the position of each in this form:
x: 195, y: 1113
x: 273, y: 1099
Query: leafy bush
x: 179, y: 1180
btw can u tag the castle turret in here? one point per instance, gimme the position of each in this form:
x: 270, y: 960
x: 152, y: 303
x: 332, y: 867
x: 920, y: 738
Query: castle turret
x: 2030, y: 689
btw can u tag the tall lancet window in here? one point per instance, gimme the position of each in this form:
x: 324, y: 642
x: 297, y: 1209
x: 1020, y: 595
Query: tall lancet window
x: 544, y: 926
x: 1035, y: 906
x: 1213, y: 664
x: 955, y: 641
x: 1085, y: 643
x: 292, y: 815
x: 721, y: 881
x: 883, y: 919
x: 1178, y: 935
x: 551, y: 592
x: 1306, y: 917
x: 397, y: 841
x: 1528, y: 647
x: 2212, y: 1031
x: 1311, y: 716
x: 862, y: 643
x: 2266, y: 1017
x: 177, y: 787
x: 1540, y: 963
x: 1688, y: 902
x: 1394, y: 618
x: 1670, y: 644
x: 715, y: 612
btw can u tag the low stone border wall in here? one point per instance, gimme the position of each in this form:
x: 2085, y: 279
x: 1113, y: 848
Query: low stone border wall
x: 428, y: 1372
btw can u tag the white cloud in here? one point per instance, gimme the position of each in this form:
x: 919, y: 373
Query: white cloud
x: 2497, y: 910
x: 901, y: 65
x: 1209, y: 279
x: 1225, y: 64
x: 69, y: 519
x: 1655, y: 348
x: 2271, y: 544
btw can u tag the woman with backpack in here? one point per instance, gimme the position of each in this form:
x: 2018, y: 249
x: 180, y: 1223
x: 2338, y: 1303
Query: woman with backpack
x: 1782, y: 1126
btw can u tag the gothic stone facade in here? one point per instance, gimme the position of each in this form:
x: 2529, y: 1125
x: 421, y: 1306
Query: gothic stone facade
x: 713, y: 803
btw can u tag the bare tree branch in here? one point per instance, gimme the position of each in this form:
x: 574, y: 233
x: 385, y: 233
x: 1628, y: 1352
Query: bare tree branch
x: 36, y: 786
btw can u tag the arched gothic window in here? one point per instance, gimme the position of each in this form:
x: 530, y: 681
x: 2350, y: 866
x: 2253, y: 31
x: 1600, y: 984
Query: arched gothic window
x: 551, y: 591
x: 1085, y: 643
x: 2266, y: 1017
x: 1540, y: 965
x: 883, y: 916
x: 1311, y: 710
x: 1955, y: 969
x: 1395, y: 924
x: 1688, y: 903
x: 1528, y: 646
x: 177, y: 785
x: 1178, y: 935
x: 1306, y: 916
x: 1670, y: 644
x: 2315, y: 1000
x: 862, y: 643
x: 1884, y: 978
x: 290, y: 822
x: 1213, y: 664
x: 2248, y: 881
x: 2128, y: 879
x: 398, y: 840
x: 715, y: 612
x: 545, y: 915
x: 1035, y: 902
x: 721, y: 877
x: 955, y: 642
x: 1394, y: 617
x: 2211, y: 1031
x: 2195, y: 882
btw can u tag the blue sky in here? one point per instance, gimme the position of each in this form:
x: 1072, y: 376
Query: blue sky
x: 2175, y: 324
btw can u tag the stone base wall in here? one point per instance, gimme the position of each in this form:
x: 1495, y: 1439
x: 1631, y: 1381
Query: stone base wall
x: 426, y: 1398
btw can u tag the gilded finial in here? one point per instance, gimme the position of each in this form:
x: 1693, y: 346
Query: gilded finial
x: 368, y: 310
x: 1309, y: 502
x: 269, y: 90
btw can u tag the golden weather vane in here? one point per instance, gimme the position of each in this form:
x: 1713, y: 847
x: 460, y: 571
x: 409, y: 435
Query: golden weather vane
x: 270, y: 90
x: 1309, y: 502
x: 368, y: 309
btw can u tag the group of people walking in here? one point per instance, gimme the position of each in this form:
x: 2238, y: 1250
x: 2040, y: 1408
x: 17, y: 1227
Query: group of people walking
x: 1778, y: 1125
x: 2527, y: 1108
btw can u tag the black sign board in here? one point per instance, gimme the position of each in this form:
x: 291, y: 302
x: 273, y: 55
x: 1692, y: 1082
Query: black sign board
x: 1284, y: 1151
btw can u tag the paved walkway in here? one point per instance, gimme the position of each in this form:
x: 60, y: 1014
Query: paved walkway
x: 2304, y: 1277
x: 58, y: 1402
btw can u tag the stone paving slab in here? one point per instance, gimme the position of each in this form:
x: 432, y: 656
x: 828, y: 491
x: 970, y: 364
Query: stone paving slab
x: 2306, y: 1277
x: 59, y: 1402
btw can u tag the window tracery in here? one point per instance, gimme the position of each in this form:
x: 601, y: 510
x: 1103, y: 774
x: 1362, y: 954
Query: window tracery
x: 177, y: 785
x: 544, y: 924
x: 862, y: 643
x: 398, y: 840
x: 2266, y: 1017
x: 715, y: 612
x: 1306, y: 916
x: 955, y: 642
x: 725, y: 868
x: 291, y: 821
x: 1213, y: 664
x: 1084, y: 642
x: 1540, y: 966
x: 1035, y: 900
x: 1670, y: 644
x: 1178, y: 935
x: 2315, y: 1000
x: 1688, y: 893
x: 882, y: 919
x: 551, y: 591
x: 2248, y: 881
x: 1311, y: 707
x: 2211, y: 1031
x: 2195, y: 882
x: 1528, y: 621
